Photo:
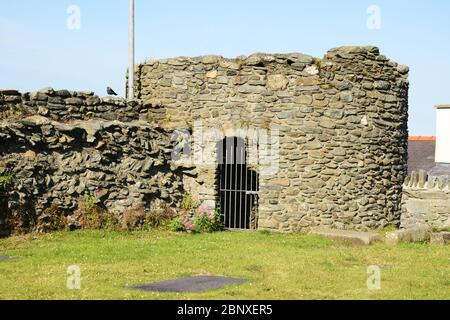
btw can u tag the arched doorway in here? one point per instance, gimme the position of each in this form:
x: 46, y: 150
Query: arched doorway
x: 238, y: 185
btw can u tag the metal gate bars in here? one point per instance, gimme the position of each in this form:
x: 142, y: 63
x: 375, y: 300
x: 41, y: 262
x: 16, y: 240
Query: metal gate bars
x: 238, y: 185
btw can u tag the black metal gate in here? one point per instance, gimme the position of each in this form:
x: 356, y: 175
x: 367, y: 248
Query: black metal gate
x: 238, y: 185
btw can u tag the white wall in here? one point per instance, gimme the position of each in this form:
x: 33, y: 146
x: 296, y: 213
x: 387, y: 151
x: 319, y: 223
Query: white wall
x: 443, y: 134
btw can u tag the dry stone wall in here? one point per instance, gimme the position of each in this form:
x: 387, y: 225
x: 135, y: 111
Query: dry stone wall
x: 59, y: 155
x: 426, y: 200
x: 332, y: 131
x: 342, y: 123
x: 65, y: 105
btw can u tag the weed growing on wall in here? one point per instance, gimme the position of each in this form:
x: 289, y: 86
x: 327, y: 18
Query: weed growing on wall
x: 91, y: 202
x: 188, y: 203
x: 91, y: 215
x: 6, y: 178
x: 196, y: 219
x: 22, y: 219
x: 52, y: 220
x: 176, y: 225
x: 208, y: 220
x: 160, y: 218
x: 141, y: 218
x: 134, y: 218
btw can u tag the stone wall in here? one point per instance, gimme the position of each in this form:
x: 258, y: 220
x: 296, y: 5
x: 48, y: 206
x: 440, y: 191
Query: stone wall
x: 342, y: 124
x: 426, y: 200
x: 65, y: 105
x: 77, y: 144
x: 328, y: 137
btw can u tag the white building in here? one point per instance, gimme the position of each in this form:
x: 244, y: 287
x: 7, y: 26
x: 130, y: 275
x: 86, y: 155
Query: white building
x: 442, y: 141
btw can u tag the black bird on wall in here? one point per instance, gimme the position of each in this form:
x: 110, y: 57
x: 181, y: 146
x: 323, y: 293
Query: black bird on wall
x: 110, y: 91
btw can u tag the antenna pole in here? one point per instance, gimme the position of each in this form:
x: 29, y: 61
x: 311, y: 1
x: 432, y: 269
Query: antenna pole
x: 131, y: 53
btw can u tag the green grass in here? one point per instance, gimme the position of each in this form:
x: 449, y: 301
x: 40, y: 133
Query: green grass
x: 279, y: 266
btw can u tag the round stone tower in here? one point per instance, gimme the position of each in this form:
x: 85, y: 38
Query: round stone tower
x: 332, y: 131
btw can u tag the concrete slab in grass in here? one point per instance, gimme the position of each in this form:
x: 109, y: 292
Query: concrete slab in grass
x: 192, y: 284
x: 346, y: 236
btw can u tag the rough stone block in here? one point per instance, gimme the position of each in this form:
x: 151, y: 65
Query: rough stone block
x: 277, y: 82
x: 9, y: 92
x: 420, y: 233
x: 442, y: 238
x: 353, y: 237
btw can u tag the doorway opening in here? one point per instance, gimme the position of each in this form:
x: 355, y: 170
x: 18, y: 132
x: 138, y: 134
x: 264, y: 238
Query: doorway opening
x: 238, y: 185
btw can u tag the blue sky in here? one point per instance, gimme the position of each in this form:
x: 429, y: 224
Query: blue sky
x: 38, y: 50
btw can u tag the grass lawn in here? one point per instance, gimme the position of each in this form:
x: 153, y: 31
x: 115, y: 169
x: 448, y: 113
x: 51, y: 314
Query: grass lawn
x: 279, y: 266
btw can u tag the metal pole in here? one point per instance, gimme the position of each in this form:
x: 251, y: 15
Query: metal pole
x: 225, y: 213
x: 131, y: 53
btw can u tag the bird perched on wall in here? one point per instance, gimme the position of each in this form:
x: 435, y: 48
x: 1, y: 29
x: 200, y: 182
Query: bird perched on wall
x: 110, y: 91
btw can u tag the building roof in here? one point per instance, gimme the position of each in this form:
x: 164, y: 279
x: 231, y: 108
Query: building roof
x: 422, y: 138
x: 421, y: 153
x: 443, y: 106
